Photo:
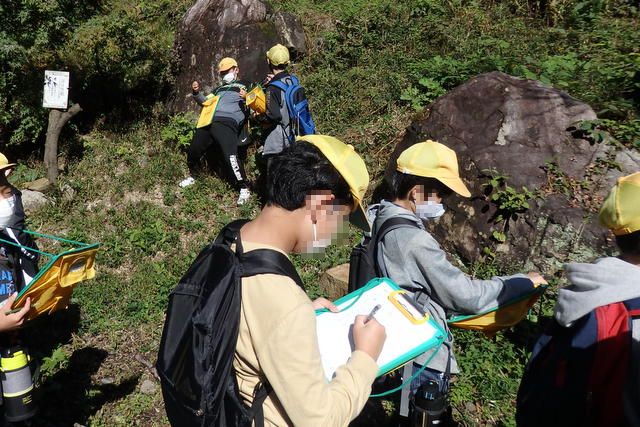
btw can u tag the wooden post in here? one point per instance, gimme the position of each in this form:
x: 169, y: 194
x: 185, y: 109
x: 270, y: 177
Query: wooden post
x: 57, y: 120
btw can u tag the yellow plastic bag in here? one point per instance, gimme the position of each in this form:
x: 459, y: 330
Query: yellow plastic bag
x: 50, y: 290
x: 208, y: 110
x: 501, y: 317
x: 257, y: 100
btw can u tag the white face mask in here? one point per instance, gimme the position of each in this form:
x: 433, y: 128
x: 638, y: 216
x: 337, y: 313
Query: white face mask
x: 429, y: 210
x: 229, y: 77
x: 318, y: 244
x: 7, y: 207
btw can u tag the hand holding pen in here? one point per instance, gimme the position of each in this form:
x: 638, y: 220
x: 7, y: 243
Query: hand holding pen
x: 368, y: 334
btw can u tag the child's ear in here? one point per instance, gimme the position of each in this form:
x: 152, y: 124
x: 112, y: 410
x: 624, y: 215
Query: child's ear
x: 413, y: 193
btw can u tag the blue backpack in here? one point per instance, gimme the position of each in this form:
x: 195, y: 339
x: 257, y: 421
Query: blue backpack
x: 300, y: 120
x: 580, y: 375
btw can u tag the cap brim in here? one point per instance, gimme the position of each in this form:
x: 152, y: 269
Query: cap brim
x: 9, y: 165
x: 359, y: 218
x: 456, y: 185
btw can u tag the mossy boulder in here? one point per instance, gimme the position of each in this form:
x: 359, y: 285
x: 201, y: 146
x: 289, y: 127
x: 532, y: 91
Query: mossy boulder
x: 518, y: 148
x: 242, y: 29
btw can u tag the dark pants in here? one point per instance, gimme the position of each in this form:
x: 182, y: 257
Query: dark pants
x: 223, y: 138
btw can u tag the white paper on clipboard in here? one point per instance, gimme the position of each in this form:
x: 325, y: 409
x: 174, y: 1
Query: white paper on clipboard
x: 403, y: 336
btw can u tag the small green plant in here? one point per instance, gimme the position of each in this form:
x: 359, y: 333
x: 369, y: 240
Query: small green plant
x: 427, y: 91
x: 509, y: 201
x: 617, y: 133
x: 58, y: 360
x: 179, y: 131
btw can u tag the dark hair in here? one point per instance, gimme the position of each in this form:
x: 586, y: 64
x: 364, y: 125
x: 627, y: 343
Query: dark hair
x: 298, y: 171
x: 402, y: 183
x: 280, y: 67
x: 629, y: 244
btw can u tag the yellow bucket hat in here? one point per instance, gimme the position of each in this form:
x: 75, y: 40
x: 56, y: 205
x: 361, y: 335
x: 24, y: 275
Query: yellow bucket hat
x: 431, y: 159
x: 620, y: 211
x: 4, y: 162
x: 226, y: 64
x: 278, y: 55
x: 351, y: 167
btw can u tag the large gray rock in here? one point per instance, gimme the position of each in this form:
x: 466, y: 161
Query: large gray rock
x: 523, y: 130
x: 242, y: 29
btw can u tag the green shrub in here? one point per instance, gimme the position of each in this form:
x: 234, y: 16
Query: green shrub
x: 179, y: 131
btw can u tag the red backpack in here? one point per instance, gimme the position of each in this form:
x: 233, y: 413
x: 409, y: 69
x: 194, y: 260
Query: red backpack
x: 578, y: 375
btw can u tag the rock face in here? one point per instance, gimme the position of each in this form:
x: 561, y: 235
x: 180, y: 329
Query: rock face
x: 242, y: 29
x: 522, y: 130
x: 32, y: 200
x: 41, y: 185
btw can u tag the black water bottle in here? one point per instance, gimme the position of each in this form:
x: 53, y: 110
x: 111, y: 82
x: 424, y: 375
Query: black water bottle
x: 429, y: 407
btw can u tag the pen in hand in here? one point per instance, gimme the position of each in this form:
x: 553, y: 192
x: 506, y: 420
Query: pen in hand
x: 373, y: 312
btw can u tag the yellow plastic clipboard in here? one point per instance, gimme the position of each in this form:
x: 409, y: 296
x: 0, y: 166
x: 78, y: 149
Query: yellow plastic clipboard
x: 406, y: 308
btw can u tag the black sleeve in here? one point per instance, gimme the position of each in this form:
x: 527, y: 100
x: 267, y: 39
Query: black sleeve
x: 274, y: 101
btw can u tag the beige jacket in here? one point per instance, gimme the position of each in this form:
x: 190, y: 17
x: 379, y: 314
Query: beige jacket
x: 277, y: 341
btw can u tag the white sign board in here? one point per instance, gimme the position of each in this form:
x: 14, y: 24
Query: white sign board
x: 56, y: 89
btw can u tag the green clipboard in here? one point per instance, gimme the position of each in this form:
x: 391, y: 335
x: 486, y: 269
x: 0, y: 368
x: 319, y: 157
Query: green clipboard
x: 410, y: 332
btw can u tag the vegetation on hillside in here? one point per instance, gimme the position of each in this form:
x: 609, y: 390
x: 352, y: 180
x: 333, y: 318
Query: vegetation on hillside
x: 372, y: 66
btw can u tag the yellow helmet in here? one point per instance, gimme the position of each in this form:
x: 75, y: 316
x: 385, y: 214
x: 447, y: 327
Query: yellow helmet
x: 226, y: 64
x: 278, y: 55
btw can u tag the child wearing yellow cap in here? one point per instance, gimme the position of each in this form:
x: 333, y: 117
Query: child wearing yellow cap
x: 314, y: 186
x: 279, y: 129
x: 426, y: 174
x: 222, y: 126
x: 596, y: 323
x: 275, y: 121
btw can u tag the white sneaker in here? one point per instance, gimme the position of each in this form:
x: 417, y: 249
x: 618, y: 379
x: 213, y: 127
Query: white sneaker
x: 187, y: 182
x: 245, y: 194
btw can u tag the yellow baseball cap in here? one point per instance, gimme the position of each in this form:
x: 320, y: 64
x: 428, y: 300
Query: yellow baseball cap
x: 226, y: 64
x: 278, y: 55
x: 431, y: 159
x: 620, y: 211
x: 352, y: 168
x: 4, y: 162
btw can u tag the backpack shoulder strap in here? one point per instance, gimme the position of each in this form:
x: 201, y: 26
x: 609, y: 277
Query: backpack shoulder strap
x: 386, y: 227
x: 632, y: 388
x: 279, y: 84
x: 633, y: 305
x: 268, y: 261
x: 229, y: 232
x: 392, y: 224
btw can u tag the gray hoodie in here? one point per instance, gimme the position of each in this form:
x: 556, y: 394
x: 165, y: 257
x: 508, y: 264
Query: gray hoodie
x: 606, y: 281
x: 414, y: 260
x: 231, y: 105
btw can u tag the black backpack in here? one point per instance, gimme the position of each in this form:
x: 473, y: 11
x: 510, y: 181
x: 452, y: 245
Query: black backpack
x: 195, y: 359
x: 362, y: 262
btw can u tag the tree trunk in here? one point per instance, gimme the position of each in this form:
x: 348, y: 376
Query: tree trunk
x: 57, y: 120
